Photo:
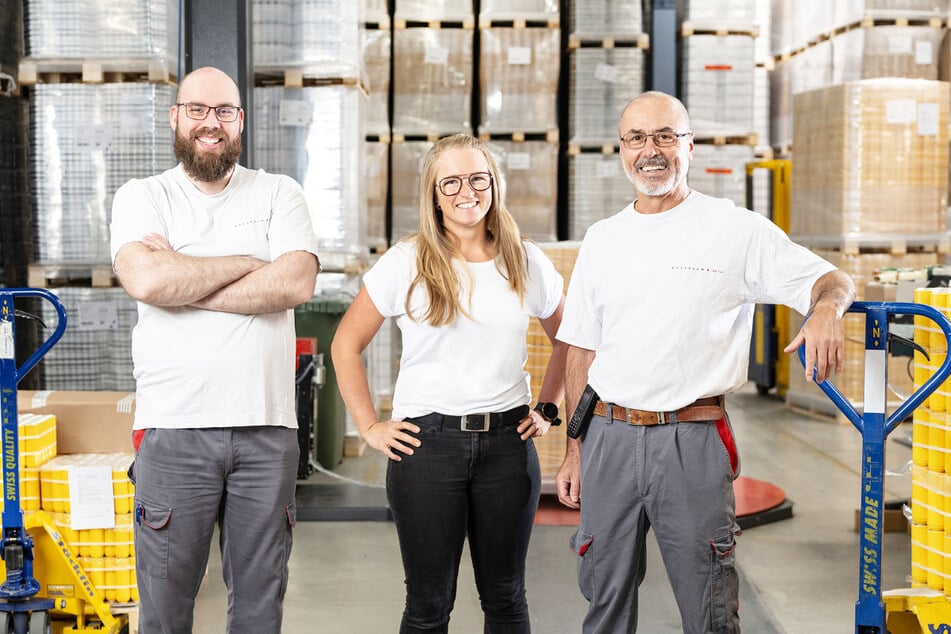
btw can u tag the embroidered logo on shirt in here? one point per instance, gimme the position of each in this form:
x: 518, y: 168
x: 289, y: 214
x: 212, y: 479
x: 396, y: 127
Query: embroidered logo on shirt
x: 698, y: 269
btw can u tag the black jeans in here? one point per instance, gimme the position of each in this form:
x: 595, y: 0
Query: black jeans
x: 484, y: 485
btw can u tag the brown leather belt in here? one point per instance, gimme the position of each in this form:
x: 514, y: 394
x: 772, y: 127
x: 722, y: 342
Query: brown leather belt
x: 704, y: 409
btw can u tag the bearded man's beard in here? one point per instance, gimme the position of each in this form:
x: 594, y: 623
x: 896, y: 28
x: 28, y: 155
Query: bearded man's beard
x: 207, y: 167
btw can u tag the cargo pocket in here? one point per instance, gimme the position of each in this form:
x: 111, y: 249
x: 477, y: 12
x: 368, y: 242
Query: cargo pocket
x: 290, y: 514
x: 724, y: 583
x: 151, y: 538
x: 581, y: 545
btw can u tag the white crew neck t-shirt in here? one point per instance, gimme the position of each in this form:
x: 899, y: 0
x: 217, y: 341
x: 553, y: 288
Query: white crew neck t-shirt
x: 201, y: 368
x: 666, y: 300
x: 474, y: 364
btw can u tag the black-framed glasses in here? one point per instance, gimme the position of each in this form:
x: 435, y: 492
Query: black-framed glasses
x: 199, y: 111
x: 637, y: 140
x: 452, y: 185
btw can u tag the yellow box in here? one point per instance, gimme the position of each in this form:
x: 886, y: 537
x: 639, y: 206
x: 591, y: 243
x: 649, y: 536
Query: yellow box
x: 36, y: 438
x: 54, y: 480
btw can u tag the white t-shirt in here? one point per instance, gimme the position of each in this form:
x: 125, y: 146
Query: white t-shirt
x: 202, y: 368
x: 472, y: 365
x: 666, y: 300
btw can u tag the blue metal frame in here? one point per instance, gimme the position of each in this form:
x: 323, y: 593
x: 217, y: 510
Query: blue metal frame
x: 16, y: 545
x: 875, y: 428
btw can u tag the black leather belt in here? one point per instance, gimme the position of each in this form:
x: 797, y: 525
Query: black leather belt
x: 481, y: 421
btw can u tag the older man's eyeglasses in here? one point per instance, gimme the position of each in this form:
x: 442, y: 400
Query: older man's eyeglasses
x: 452, y: 185
x: 199, y: 111
x: 637, y: 140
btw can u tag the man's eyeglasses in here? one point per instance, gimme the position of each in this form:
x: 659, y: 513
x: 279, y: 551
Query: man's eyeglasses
x: 452, y: 185
x: 637, y: 140
x: 199, y: 111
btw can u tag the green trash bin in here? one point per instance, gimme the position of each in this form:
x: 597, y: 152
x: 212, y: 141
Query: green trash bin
x: 319, y: 318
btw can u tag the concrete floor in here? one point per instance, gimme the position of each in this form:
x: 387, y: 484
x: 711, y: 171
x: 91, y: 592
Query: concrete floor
x: 797, y: 575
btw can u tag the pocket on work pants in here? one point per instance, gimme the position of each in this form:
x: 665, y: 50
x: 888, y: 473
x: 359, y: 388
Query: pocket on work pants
x: 151, y: 538
x: 581, y: 545
x: 724, y: 583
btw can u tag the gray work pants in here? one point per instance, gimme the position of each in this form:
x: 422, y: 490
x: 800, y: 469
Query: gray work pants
x: 186, y: 480
x: 677, y: 479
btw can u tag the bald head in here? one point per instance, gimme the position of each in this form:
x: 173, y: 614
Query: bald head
x: 210, y: 86
x: 654, y: 99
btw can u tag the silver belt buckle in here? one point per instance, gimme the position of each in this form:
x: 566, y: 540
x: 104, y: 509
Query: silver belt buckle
x: 475, y: 422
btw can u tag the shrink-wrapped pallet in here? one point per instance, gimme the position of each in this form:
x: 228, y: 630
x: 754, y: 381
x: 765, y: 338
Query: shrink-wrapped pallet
x: 597, y: 189
x: 88, y: 29
x: 315, y: 136
x: 530, y: 173
x: 376, y: 59
x: 87, y: 141
x: 601, y: 18
x: 871, y: 160
x: 720, y: 171
x: 434, y: 10
x: 375, y: 173
x: 432, y: 80
x: 519, y: 71
x: 95, y: 352
x: 320, y: 37
x: 720, y: 12
x: 407, y: 163
x: 809, y: 70
x: 503, y: 10
x: 602, y: 82
x: 886, y: 51
x: 717, y: 83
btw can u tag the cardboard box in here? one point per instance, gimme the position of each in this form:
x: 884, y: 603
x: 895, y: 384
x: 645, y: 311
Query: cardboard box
x: 86, y: 422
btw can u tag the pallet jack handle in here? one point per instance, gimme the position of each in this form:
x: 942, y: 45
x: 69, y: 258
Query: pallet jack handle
x: 16, y: 546
x: 870, y: 613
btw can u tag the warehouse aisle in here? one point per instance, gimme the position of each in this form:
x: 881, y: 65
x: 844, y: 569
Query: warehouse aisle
x: 798, y: 576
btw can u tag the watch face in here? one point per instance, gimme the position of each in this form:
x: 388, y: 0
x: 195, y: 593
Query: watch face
x: 549, y: 410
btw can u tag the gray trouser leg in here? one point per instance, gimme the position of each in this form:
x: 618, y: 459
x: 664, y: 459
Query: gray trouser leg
x: 678, y: 480
x: 185, y: 480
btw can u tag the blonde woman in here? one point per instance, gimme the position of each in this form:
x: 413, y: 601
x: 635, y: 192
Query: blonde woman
x: 462, y: 461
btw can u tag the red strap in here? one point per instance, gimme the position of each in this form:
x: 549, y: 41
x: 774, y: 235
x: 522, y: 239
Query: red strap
x: 726, y: 436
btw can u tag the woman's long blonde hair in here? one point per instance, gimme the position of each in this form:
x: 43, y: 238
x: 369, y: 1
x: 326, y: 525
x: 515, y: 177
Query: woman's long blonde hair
x: 435, y: 249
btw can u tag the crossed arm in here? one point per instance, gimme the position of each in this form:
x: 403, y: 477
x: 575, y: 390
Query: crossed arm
x: 153, y: 273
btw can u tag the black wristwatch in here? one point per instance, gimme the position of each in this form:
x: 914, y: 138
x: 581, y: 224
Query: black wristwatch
x: 549, y: 412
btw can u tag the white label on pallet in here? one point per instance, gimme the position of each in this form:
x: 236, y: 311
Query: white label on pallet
x: 606, y: 73
x: 97, y: 316
x: 519, y: 161
x: 437, y: 55
x: 900, y: 111
x: 295, y: 113
x: 928, y: 118
x: 924, y: 53
x: 94, y: 137
x: 900, y: 45
x: 520, y: 55
x: 90, y: 498
x: 7, y: 348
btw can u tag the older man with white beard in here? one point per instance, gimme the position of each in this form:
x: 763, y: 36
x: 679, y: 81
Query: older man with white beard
x: 217, y: 256
x: 658, y: 319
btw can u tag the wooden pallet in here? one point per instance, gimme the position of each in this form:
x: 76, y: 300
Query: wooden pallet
x: 94, y: 71
x: 635, y: 40
x: 585, y: 148
x: 869, y: 243
x: 131, y: 610
x: 691, y: 27
x: 467, y: 24
x: 550, y: 136
x: 297, y: 78
x: 519, y: 23
x: 58, y: 274
x: 726, y: 139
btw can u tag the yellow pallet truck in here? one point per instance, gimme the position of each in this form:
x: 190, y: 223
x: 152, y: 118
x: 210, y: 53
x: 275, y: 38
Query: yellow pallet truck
x: 33, y: 540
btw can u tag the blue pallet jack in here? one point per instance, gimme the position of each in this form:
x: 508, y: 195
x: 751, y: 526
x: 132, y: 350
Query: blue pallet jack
x: 21, y: 612
x: 928, y: 612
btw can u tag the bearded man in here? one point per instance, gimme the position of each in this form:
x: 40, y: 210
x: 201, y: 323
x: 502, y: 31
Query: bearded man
x: 217, y: 256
